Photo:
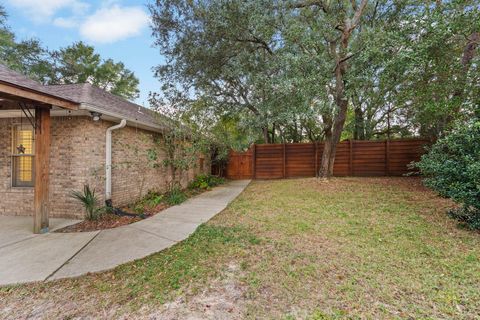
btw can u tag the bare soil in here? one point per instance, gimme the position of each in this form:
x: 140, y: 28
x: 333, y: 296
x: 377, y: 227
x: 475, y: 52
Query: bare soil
x: 107, y: 221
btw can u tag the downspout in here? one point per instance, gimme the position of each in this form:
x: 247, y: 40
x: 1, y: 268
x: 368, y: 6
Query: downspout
x: 108, y: 162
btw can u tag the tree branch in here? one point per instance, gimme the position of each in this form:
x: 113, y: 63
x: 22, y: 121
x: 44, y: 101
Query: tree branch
x: 310, y: 3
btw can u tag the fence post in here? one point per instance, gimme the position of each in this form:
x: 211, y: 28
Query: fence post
x: 387, y: 157
x: 350, y: 157
x: 316, y: 159
x: 254, y: 151
x: 284, y: 161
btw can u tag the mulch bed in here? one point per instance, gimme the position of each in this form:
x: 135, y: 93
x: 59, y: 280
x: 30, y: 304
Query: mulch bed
x: 109, y: 221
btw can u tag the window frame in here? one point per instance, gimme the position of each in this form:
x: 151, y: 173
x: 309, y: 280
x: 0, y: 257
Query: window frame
x: 15, y: 156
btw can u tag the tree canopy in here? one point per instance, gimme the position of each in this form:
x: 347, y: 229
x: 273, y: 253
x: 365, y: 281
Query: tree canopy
x: 77, y: 63
x: 308, y: 70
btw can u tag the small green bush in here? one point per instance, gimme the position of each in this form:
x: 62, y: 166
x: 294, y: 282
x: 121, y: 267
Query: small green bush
x: 89, y: 201
x: 175, y: 196
x: 153, y: 199
x: 452, y: 168
x: 150, y: 200
x: 205, y: 181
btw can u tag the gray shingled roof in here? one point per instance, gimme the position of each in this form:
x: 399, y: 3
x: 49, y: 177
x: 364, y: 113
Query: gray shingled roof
x: 105, y: 102
x: 92, y: 98
x: 9, y: 76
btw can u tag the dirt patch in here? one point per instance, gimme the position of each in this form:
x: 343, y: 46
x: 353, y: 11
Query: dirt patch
x: 107, y: 221
x: 223, y: 299
x: 150, y: 211
x: 110, y: 221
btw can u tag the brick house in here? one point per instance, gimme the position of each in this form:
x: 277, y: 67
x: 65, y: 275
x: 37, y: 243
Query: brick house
x: 54, y: 139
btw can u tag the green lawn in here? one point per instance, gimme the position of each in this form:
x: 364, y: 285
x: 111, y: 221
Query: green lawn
x: 288, y: 249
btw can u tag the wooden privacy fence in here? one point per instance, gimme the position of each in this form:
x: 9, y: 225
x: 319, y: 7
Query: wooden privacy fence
x: 353, y: 158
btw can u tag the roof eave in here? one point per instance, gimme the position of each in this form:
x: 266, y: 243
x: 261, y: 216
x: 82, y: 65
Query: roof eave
x: 149, y: 126
x: 35, y: 95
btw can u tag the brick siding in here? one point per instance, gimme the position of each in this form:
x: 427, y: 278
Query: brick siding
x: 78, y: 158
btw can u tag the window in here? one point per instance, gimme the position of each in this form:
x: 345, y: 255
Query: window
x: 23, y: 151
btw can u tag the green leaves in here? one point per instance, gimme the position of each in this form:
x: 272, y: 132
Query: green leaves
x: 77, y: 63
x: 452, y: 168
x: 269, y: 66
x: 89, y: 200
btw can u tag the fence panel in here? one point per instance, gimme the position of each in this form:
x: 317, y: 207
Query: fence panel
x: 402, y: 152
x: 300, y: 160
x: 240, y: 165
x: 353, y: 158
x: 269, y: 161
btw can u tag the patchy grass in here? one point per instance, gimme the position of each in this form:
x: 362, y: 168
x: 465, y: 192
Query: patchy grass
x: 288, y: 249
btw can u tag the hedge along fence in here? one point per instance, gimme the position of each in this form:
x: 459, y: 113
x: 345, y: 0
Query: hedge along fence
x: 353, y: 158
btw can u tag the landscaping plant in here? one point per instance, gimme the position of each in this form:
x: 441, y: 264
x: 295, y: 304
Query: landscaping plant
x: 175, y: 195
x: 452, y: 168
x: 89, y: 201
x: 206, y: 181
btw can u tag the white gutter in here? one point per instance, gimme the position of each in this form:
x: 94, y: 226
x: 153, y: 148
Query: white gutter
x: 90, y: 107
x: 108, y: 161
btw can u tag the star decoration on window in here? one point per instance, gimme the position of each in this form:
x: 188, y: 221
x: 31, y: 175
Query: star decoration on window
x: 21, y: 149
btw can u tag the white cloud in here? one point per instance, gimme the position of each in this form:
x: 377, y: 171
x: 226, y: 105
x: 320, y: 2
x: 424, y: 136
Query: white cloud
x: 65, y: 22
x: 108, y: 25
x: 43, y: 10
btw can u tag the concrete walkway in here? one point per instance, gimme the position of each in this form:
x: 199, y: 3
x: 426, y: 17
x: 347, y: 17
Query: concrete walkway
x: 62, y: 255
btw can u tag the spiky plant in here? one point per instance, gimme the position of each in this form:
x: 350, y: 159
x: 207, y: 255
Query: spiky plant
x: 89, y: 201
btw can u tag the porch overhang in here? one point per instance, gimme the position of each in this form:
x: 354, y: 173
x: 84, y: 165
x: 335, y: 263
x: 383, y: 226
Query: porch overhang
x: 17, y: 93
x: 12, y: 96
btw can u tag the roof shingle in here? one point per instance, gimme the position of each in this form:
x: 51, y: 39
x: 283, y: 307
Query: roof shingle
x: 91, y: 97
x: 9, y: 76
x: 109, y: 103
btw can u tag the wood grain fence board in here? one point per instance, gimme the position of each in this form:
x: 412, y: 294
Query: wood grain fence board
x: 353, y: 158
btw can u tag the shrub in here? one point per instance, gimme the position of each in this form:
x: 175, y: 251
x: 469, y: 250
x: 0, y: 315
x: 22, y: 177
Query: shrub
x: 206, y: 181
x: 153, y: 199
x: 150, y: 200
x: 175, y: 196
x: 89, y: 201
x: 452, y: 168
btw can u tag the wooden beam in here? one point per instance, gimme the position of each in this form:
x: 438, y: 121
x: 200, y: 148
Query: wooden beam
x: 42, y: 167
x: 12, y: 91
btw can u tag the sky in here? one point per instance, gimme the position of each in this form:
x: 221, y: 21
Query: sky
x: 118, y: 29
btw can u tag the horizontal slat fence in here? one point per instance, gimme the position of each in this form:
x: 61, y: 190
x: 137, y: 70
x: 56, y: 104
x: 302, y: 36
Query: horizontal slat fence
x: 353, y: 158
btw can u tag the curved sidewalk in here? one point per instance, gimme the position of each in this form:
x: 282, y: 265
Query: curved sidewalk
x: 63, y: 255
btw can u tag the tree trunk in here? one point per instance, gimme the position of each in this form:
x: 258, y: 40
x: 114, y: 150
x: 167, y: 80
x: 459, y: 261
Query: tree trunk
x: 332, y: 138
x: 273, y: 133
x: 265, y: 135
x: 337, y: 132
x: 359, y: 130
x: 326, y: 155
x: 339, y: 50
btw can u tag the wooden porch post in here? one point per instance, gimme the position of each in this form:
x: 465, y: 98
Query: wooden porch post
x: 42, y: 167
